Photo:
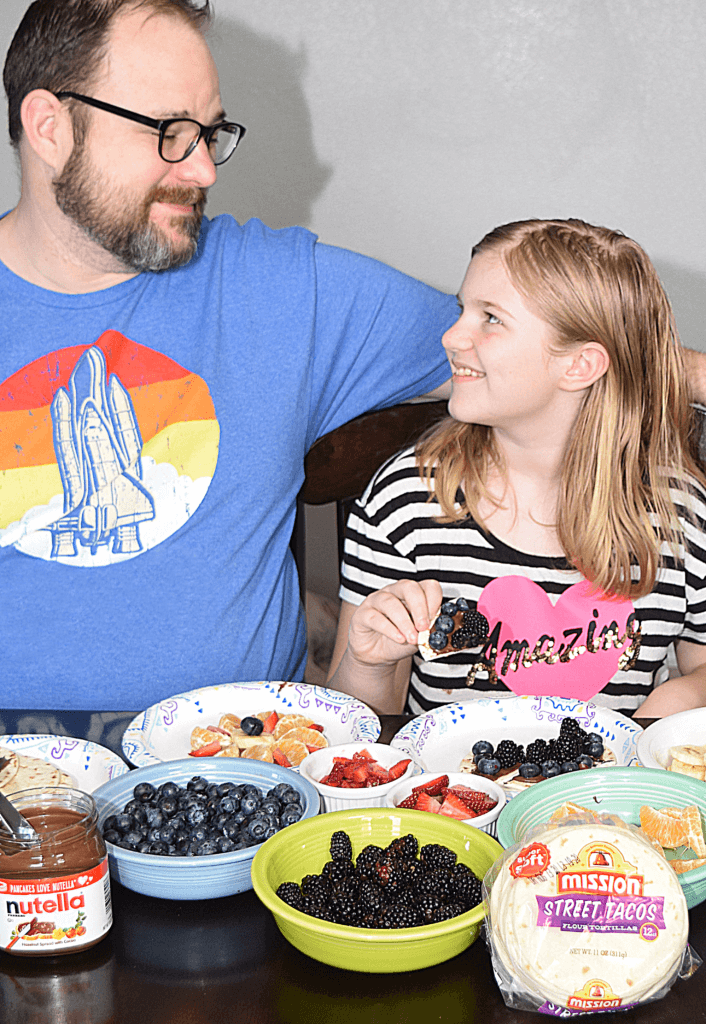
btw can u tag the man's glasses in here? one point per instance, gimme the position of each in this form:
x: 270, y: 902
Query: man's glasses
x: 178, y: 136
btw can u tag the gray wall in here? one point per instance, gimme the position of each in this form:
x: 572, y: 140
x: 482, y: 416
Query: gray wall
x: 406, y: 129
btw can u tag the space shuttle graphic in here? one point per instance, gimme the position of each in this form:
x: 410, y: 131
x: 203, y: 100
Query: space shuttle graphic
x: 97, y: 442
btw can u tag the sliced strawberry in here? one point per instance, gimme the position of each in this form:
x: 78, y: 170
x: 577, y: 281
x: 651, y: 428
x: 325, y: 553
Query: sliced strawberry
x: 279, y: 758
x: 410, y: 802
x: 208, y: 751
x: 399, y: 769
x: 342, y: 760
x: 453, y: 807
x: 270, y: 722
x: 310, y: 748
x: 372, y: 780
x: 314, y: 725
x: 427, y: 803
x: 476, y: 800
x: 217, y: 728
x: 363, y: 755
x: 434, y: 786
x: 350, y: 784
x: 376, y: 771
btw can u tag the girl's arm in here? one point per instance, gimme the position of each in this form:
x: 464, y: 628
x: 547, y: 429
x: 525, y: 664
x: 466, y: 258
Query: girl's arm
x: 683, y: 692
x: 375, y: 641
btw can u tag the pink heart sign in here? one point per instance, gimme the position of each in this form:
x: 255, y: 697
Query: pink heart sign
x: 569, y: 649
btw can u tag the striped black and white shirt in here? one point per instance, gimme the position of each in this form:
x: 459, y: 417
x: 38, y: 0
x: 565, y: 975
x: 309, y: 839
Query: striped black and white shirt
x: 549, y: 632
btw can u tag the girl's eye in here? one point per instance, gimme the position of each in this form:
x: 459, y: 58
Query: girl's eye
x: 493, y: 319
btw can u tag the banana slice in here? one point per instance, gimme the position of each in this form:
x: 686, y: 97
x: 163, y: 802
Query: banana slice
x: 688, y: 754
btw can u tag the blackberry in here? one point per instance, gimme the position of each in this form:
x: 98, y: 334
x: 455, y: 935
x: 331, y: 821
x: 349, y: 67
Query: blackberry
x: 316, y: 887
x: 427, y: 906
x: 446, y: 912
x: 336, y: 871
x: 570, y: 727
x: 537, y: 752
x: 438, y: 883
x: 467, y: 890
x: 433, y: 856
x: 289, y: 892
x: 345, y: 910
x: 462, y: 638
x: 509, y: 753
x: 477, y: 625
x: 315, y: 909
x: 370, y: 896
x: 406, y: 847
x: 368, y: 858
x: 399, y: 916
x: 567, y: 748
x: 340, y: 847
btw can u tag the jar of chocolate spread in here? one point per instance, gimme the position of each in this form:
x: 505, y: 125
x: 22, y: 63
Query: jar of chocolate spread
x: 55, y: 890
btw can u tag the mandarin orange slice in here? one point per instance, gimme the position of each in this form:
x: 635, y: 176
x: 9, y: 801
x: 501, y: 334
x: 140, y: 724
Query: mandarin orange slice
x: 565, y: 810
x: 310, y: 737
x: 288, y: 722
x: 258, y: 752
x: 668, y: 830
x: 294, y: 749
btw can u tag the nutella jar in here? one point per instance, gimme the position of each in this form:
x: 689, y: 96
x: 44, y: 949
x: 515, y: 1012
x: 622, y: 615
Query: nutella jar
x: 55, y: 890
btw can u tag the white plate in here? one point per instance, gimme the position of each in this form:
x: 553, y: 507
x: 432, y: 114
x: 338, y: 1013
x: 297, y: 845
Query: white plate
x: 89, y: 763
x: 676, y: 730
x: 162, y: 732
x: 440, y: 739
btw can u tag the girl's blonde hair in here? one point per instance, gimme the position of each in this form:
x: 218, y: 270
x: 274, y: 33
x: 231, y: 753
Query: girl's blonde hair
x: 635, y: 432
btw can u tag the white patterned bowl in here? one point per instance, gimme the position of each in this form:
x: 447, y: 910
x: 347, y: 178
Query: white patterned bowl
x: 163, y: 731
x: 192, y: 878
x: 440, y: 739
x: 318, y: 764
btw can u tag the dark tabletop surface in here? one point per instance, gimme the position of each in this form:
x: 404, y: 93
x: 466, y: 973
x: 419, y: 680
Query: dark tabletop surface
x: 169, y: 962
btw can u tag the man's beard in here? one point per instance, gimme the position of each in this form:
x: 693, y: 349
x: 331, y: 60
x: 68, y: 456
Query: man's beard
x: 121, y: 225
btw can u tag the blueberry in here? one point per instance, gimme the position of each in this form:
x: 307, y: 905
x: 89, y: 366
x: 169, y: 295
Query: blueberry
x: 529, y: 770
x: 110, y: 822
x: 462, y: 604
x: 144, y: 791
x: 482, y: 749
x: 584, y: 761
x: 168, y: 806
x: 290, y: 814
x: 449, y: 608
x: 153, y: 817
x: 196, y: 815
x: 569, y: 766
x: 437, y: 640
x: 444, y: 624
x: 169, y: 789
x: 251, y: 726
x: 228, y: 805
x: 249, y: 804
x: 280, y: 790
x: 198, y: 784
x: 550, y: 769
x: 488, y: 766
x: 225, y: 845
x: 258, y: 827
x: 123, y: 822
x: 111, y: 836
x: 132, y: 839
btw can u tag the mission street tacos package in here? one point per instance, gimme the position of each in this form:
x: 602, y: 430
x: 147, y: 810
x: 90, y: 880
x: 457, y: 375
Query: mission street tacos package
x: 585, y: 917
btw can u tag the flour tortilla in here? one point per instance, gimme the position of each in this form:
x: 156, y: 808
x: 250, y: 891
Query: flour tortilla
x: 33, y: 773
x: 540, y: 958
x: 8, y: 773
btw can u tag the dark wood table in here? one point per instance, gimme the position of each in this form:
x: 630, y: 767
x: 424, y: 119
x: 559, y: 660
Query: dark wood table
x: 170, y: 962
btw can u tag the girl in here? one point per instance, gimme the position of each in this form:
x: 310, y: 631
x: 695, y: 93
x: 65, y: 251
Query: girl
x: 560, y: 499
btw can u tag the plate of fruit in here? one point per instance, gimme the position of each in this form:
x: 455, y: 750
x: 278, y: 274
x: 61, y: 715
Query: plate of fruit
x: 519, y: 741
x: 276, y: 722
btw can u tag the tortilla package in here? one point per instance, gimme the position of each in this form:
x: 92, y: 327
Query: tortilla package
x: 585, y: 918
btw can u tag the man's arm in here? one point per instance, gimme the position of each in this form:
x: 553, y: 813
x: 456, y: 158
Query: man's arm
x: 696, y: 374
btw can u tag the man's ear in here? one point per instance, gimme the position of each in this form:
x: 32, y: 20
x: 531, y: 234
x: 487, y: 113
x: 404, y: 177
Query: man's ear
x: 47, y: 127
x: 585, y: 367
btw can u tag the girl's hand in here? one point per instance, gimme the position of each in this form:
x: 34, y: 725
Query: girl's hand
x: 385, y: 627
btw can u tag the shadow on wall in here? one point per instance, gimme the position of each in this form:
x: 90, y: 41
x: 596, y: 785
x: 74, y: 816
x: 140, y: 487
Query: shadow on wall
x: 687, y: 293
x: 276, y: 174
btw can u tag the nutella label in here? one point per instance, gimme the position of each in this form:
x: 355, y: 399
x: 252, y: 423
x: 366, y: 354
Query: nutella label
x: 55, y: 915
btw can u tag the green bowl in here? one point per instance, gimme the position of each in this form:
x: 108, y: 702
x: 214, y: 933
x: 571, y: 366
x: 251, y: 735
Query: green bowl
x: 304, y: 851
x: 621, y: 791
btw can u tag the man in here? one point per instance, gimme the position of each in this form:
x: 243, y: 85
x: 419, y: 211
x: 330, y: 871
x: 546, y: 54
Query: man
x: 163, y: 376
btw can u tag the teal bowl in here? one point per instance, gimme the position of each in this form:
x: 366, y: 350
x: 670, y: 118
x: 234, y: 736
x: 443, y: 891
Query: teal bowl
x: 305, y: 849
x: 621, y: 791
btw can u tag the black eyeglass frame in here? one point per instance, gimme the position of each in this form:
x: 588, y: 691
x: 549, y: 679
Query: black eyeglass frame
x: 205, y: 131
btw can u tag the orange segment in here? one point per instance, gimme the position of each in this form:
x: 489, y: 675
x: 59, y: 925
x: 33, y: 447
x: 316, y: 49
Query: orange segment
x: 294, y: 749
x: 567, y: 809
x: 668, y: 830
x: 680, y: 866
x: 288, y: 722
x: 309, y: 737
x: 202, y: 737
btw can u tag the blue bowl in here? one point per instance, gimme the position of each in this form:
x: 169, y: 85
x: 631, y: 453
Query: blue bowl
x: 192, y: 878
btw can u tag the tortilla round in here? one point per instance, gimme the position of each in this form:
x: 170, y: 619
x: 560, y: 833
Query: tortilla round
x: 603, y: 925
x: 33, y: 773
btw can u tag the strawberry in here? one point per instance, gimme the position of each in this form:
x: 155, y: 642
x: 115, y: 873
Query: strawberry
x: 474, y: 799
x: 434, y: 786
x: 208, y: 751
x: 363, y: 755
x: 319, y: 728
x: 398, y: 769
x: 410, y: 802
x: 453, y: 807
x: 279, y: 758
x: 427, y: 803
x: 270, y: 722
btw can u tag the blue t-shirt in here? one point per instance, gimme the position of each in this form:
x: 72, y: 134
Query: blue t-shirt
x: 152, y: 440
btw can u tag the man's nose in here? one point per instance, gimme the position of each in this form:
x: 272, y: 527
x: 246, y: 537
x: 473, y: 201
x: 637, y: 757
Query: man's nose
x: 198, y: 168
